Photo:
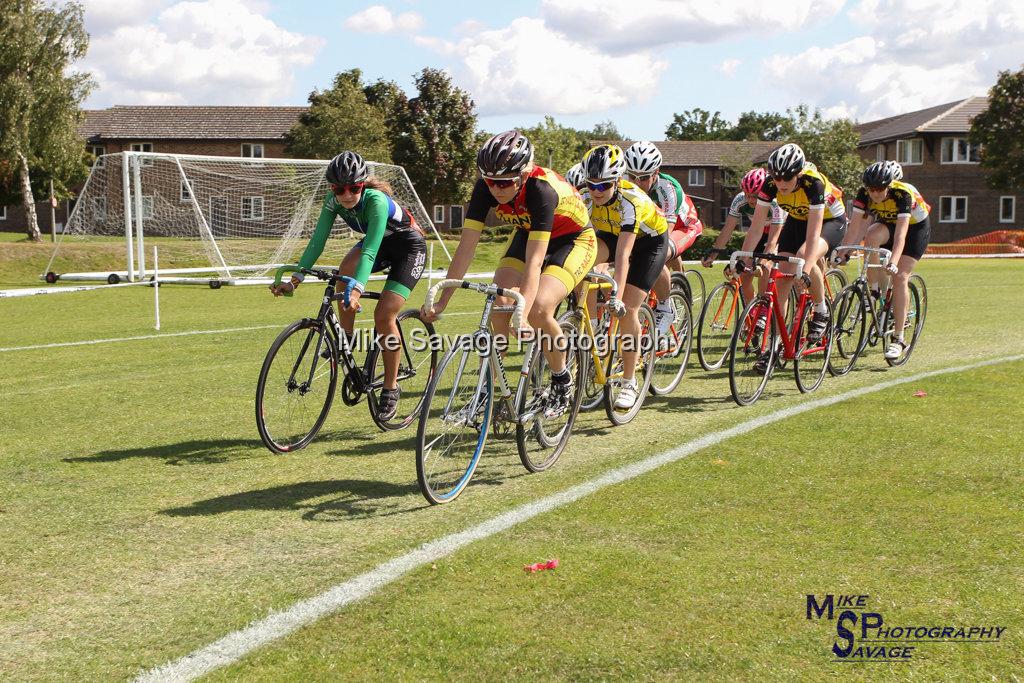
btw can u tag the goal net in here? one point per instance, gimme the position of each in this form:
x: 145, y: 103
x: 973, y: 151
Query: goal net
x: 229, y: 218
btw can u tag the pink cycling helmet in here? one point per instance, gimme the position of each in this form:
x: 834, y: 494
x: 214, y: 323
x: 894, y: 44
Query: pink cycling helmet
x: 753, y: 180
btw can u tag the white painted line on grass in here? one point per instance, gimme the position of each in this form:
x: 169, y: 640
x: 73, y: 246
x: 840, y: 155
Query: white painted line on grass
x: 238, y: 644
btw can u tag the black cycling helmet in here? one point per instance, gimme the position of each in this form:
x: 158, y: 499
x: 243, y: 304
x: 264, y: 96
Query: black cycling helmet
x: 787, y: 160
x: 504, y: 154
x: 882, y: 174
x: 347, y: 167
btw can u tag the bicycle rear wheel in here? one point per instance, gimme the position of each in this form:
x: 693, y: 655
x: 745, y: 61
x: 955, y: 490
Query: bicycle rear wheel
x: 718, y: 319
x: 540, y: 439
x: 453, y: 424
x: 642, y: 375
x: 753, y: 337
x: 850, y: 331
x: 695, y: 288
x: 835, y: 282
x: 913, y: 326
x: 417, y: 361
x: 812, y: 358
x: 673, y: 349
x: 296, y: 386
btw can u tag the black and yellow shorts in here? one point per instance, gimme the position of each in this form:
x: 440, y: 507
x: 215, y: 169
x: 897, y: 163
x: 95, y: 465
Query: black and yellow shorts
x: 569, y: 257
x: 646, y: 261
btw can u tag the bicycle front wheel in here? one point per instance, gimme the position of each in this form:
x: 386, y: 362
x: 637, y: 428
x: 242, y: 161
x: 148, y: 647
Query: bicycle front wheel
x: 835, y: 281
x: 922, y: 295
x: 645, y: 345
x: 541, y: 439
x: 296, y: 386
x: 850, y: 330
x: 453, y: 424
x: 751, y: 356
x: 718, y: 319
x: 417, y: 360
x: 673, y: 350
x: 913, y: 326
x: 697, y: 289
x: 812, y: 356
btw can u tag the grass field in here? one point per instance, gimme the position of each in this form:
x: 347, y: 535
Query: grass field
x: 141, y: 518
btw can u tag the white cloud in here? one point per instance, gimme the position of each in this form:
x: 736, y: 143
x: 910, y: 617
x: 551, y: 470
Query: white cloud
x: 208, y: 52
x: 915, y: 54
x: 529, y: 68
x: 611, y: 25
x: 379, y: 19
x: 728, y: 67
x: 103, y: 16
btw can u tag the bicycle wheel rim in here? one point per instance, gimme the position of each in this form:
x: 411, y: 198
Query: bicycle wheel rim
x: 811, y: 362
x: 746, y: 381
x: 717, y: 322
x: 913, y: 325
x: 670, y: 363
x: 417, y: 362
x: 850, y: 328
x: 296, y: 387
x: 642, y: 374
x: 451, y: 435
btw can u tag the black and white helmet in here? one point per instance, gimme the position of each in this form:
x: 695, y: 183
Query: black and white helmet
x: 574, y: 176
x: 787, y: 160
x: 504, y: 154
x: 604, y: 162
x: 347, y: 167
x: 882, y: 174
x: 643, y: 158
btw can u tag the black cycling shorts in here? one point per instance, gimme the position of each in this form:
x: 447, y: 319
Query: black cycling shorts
x: 794, y: 234
x: 405, y: 254
x: 646, y: 260
x: 918, y: 236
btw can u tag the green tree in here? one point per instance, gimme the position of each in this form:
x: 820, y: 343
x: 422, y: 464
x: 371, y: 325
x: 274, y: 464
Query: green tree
x: 556, y: 145
x: 753, y: 125
x: 831, y: 144
x: 435, y: 139
x: 605, y: 130
x: 341, y: 118
x: 1000, y: 130
x: 40, y: 100
x: 698, y: 124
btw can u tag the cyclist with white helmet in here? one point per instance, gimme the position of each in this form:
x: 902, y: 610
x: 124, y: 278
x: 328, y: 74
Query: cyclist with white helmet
x: 891, y: 214
x: 814, y: 227
x: 574, y: 176
x: 744, y: 204
x: 391, y: 238
x: 549, y: 254
x: 632, y: 235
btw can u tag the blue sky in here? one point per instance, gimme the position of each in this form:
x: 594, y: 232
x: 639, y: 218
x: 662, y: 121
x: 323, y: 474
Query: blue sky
x: 580, y: 62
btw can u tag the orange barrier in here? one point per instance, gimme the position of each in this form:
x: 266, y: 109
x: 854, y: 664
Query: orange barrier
x: 994, y: 242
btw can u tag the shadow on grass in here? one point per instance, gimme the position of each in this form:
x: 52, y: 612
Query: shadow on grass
x: 204, y: 451
x: 319, y: 501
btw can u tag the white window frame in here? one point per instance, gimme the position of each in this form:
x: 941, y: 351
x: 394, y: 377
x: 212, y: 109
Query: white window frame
x: 954, y: 151
x: 952, y: 209
x: 3, y: 213
x: 253, y: 148
x: 1013, y: 209
x: 248, y: 213
x: 184, y: 194
x: 97, y: 151
x: 141, y: 147
x: 147, y: 206
x: 912, y: 143
x: 439, y: 213
x: 880, y: 152
x: 690, y: 177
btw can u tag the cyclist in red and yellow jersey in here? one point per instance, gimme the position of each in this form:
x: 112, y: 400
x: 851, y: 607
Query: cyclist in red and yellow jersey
x: 550, y: 252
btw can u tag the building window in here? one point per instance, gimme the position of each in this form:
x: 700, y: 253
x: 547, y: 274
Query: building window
x: 879, y: 152
x: 97, y: 151
x: 143, y: 147
x: 438, y: 213
x: 909, y: 151
x: 252, y: 208
x: 1007, y: 209
x: 952, y: 209
x: 147, y: 206
x: 185, y: 196
x: 253, y: 150
x: 3, y: 213
x: 959, y: 151
x: 696, y: 177
x: 724, y: 215
x: 455, y: 212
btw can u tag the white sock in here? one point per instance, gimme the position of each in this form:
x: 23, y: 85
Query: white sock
x: 665, y: 306
x: 821, y: 308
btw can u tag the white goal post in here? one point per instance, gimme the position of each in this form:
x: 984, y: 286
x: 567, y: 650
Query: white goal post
x: 228, y: 218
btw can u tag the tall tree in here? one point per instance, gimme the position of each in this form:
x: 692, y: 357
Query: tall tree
x: 556, y: 145
x: 340, y: 118
x: 831, y: 144
x: 40, y: 100
x: 605, y: 130
x: 435, y: 139
x: 1000, y: 131
x: 698, y: 124
x: 753, y: 125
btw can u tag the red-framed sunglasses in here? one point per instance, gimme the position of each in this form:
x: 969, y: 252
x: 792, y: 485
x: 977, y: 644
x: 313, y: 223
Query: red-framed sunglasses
x: 501, y: 183
x: 347, y: 188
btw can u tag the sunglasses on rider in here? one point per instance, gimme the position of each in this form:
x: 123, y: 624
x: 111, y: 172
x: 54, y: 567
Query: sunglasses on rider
x: 347, y: 188
x: 783, y: 177
x: 501, y: 183
x: 877, y: 190
x: 642, y: 178
x: 601, y: 186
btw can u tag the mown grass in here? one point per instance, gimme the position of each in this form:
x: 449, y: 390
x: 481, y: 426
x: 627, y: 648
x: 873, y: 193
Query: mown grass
x: 140, y: 517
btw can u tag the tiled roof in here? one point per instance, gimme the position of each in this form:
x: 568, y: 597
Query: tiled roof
x: 952, y: 117
x: 703, y: 153
x: 189, y: 123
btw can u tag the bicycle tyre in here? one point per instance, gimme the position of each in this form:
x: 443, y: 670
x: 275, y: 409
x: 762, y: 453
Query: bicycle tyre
x: 415, y: 368
x: 718, y: 319
x: 645, y: 366
x: 670, y: 364
x: 746, y: 381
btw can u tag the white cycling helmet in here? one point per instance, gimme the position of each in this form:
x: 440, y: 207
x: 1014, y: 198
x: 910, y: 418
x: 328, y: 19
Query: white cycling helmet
x: 643, y: 158
x: 574, y: 176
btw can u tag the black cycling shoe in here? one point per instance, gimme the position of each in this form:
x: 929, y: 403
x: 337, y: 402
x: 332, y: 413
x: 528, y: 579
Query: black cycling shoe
x: 819, y: 323
x: 761, y: 364
x: 559, y: 399
x: 387, y: 405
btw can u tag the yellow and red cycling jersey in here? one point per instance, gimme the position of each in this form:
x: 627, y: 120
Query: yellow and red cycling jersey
x: 546, y: 206
x: 813, y: 191
x: 903, y: 199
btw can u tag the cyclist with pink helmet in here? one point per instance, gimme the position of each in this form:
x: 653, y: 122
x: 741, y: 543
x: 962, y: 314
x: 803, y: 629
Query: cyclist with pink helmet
x: 743, y: 205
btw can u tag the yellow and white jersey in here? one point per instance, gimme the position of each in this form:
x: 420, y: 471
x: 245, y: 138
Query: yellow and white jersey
x: 630, y: 210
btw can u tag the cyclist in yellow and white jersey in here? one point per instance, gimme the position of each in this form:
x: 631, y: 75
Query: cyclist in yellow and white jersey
x: 631, y: 233
x: 815, y: 226
x: 891, y: 214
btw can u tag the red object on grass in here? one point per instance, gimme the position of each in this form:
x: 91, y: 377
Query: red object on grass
x: 540, y: 566
x: 920, y: 394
